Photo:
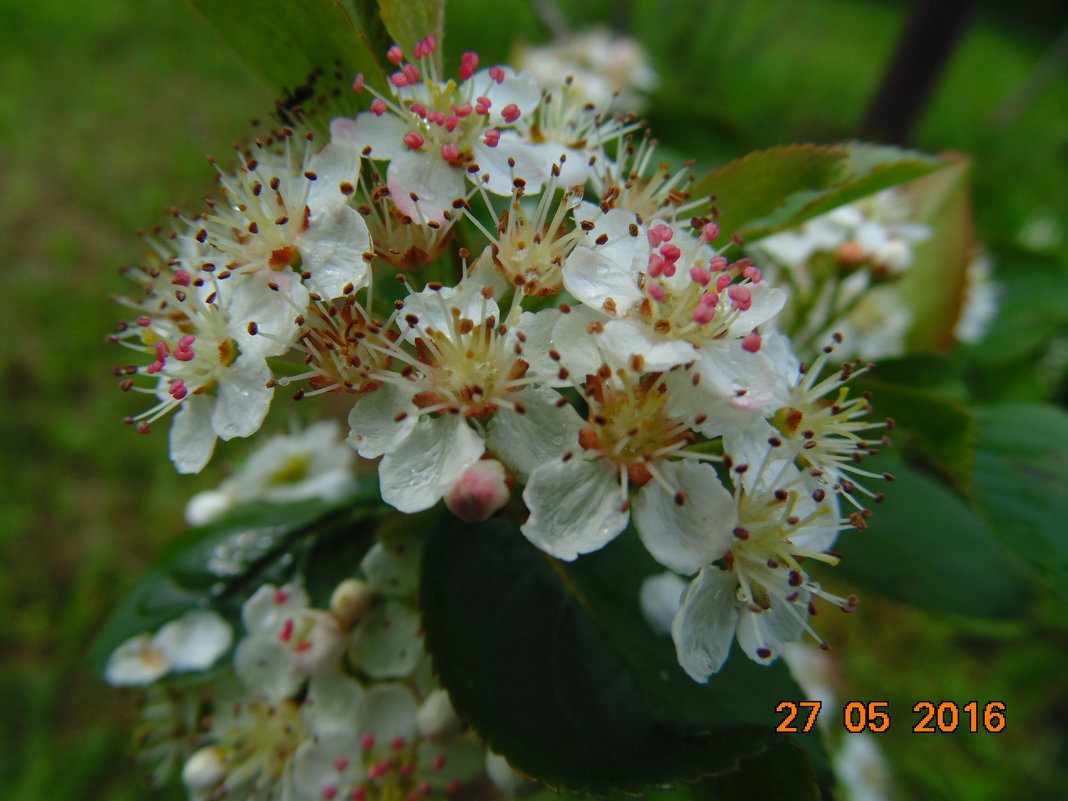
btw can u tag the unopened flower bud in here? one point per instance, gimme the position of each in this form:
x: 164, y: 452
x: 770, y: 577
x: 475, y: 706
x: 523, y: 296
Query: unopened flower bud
x: 204, y: 769
x: 351, y: 601
x: 850, y: 257
x: 436, y: 717
x: 480, y: 491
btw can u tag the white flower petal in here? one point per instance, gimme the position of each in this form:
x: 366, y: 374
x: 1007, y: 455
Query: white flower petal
x: 384, y: 135
x: 685, y: 538
x: 387, y: 643
x: 703, y: 630
x: 543, y: 433
x: 332, y: 250
x: 388, y: 711
x: 496, y: 171
x: 421, y: 469
x: 624, y: 339
x: 263, y: 666
x: 433, y: 180
x: 576, y: 507
x: 375, y: 427
x: 136, y: 662
x: 192, y: 439
x: 243, y: 398
x: 269, y: 607
x: 194, y: 641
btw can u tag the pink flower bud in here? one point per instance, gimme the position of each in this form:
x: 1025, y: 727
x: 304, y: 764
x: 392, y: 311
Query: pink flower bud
x: 480, y: 491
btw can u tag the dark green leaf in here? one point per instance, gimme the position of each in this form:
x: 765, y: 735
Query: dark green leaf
x: 1021, y: 485
x: 782, y: 187
x: 219, y: 565
x: 555, y: 666
x: 287, y: 41
x: 925, y: 546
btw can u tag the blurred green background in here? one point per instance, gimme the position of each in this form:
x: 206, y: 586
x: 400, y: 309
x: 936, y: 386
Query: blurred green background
x: 107, y: 111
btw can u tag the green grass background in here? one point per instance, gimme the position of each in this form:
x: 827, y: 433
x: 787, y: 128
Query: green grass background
x: 107, y: 110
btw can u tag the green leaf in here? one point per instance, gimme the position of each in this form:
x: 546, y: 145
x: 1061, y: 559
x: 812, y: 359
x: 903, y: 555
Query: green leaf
x: 554, y: 665
x: 935, y: 426
x: 782, y: 187
x: 1021, y: 485
x: 287, y: 41
x: 925, y: 546
x: 219, y: 565
x: 935, y: 283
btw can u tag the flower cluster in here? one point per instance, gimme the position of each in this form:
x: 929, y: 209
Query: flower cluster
x: 314, y: 704
x: 510, y: 291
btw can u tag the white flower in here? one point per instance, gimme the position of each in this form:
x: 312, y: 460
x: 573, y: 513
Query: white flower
x: 313, y: 463
x: 580, y: 500
x: 192, y: 642
x: 601, y: 69
x: 760, y: 594
x: 439, y: 134
x: 468, y: 365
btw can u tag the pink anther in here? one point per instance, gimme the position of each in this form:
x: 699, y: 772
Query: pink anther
x: 497, y: 74
x: 451, y: 122
x: 741, y: 296
x: 411, y: 72
x: 419, y: 110
x: 398, y: 79
x: 357, y: 84
x: 341, y: 763
x: 723, y: 282
x: 718, y: 263
x: 468, y: 65
x: 280, y: 597
x: 178, y: 389
x: 357, y: 794
x: 395, y: 54
x: 709, y: 232
x: 656, y: 292
x: 378, y: 106
x: 430, y: 43
x: 162, y: 351
x: 397, y: 743
x: 437, y: 764
x: 753, y: 274
x: 482, y: 105
x: 367, y: 741
x: 463, y: 111
x: 413, y: 140
x: 181, y: 278
x: 751, y: 341
x: 492, y: 137
x: 700, y: 276
x: 330, y: 792
x: 450, y: 151
x: 186, y: 341
x: 702, y: 314
x: 659, y: 234
x: 511, y: 113
x: 143, y: 322
x: 286, y: 634
x: 656, y: 265
x: 670, y: 252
